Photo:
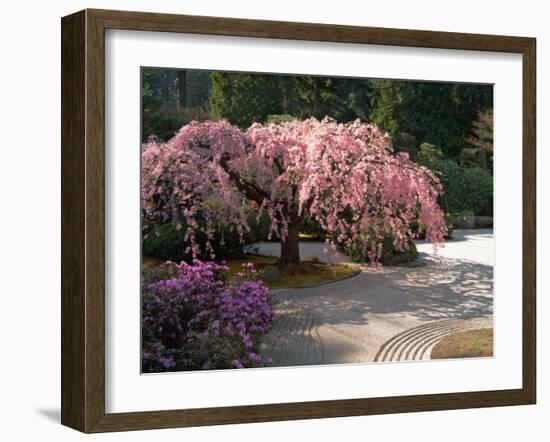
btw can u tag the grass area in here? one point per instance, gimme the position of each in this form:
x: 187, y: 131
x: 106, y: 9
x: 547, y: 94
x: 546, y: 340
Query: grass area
x: 469, y: 344
x: 148, y: 263
x: 305, y: 275
x: 236, y: 265
x: 304, y: 236
x: 309, y: 237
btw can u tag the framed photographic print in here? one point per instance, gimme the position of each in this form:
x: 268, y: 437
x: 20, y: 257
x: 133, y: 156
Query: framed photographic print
x: 267, y: 220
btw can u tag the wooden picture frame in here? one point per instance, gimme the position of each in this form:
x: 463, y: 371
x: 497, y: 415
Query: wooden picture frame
x: 83, y: 220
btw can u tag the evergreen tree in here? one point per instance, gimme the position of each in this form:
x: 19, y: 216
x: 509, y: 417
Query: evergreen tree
x: 429, y: 112
x: 385, y: 97
x: 198, y: 89
x: 244, y: 99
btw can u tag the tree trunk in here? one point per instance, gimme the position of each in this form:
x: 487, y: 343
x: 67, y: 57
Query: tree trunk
x: 290, y: 247
x: 182, y: 89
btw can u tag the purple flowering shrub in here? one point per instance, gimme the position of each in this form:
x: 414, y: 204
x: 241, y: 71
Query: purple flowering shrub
x: 198, y: 319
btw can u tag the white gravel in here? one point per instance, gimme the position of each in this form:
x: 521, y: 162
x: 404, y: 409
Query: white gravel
x: 348, y: 321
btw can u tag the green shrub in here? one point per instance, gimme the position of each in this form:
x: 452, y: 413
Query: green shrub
x: 259, y: 228
x: 405, y: 142
x: 390, y: 255
x: 165, y: 242
x: 163, y: 121
x: 419, y: 230
x: 279, y: 118
x: 479, y: 191
x: 428, y: 152
x: 465, y: 188
x: 404, y: 139
x: 312, y: 229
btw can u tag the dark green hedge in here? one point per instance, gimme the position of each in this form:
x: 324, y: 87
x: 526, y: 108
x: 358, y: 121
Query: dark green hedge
x: 165, y: 242
x: 465, y: 188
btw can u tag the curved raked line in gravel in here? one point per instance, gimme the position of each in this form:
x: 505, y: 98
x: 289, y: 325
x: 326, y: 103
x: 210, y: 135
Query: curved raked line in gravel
x: 416, y: 344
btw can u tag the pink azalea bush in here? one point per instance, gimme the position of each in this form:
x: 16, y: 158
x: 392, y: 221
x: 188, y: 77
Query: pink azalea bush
x: 345, y: 177
x: 199, y: 320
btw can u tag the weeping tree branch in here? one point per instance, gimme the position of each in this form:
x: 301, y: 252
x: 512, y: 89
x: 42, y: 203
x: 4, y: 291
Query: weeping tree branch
x: 250, y: 190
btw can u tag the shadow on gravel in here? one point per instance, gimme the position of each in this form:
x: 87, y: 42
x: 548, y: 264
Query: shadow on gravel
x: 454, y: 289
x: 444, y: 289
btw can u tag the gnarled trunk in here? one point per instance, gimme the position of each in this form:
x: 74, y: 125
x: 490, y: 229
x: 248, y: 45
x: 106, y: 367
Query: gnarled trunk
x: 290, y: 247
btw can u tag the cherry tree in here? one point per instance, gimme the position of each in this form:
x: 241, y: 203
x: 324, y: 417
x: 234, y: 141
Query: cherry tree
x: 346, y: 177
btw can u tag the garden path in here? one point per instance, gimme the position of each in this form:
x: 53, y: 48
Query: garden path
x: 394, y: 313
x: 308, y: 250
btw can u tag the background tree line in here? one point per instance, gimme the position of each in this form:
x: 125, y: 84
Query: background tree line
x: 445, y: 126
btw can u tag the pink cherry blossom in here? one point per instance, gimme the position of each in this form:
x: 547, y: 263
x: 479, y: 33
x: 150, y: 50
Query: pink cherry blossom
x: 346, y: 177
